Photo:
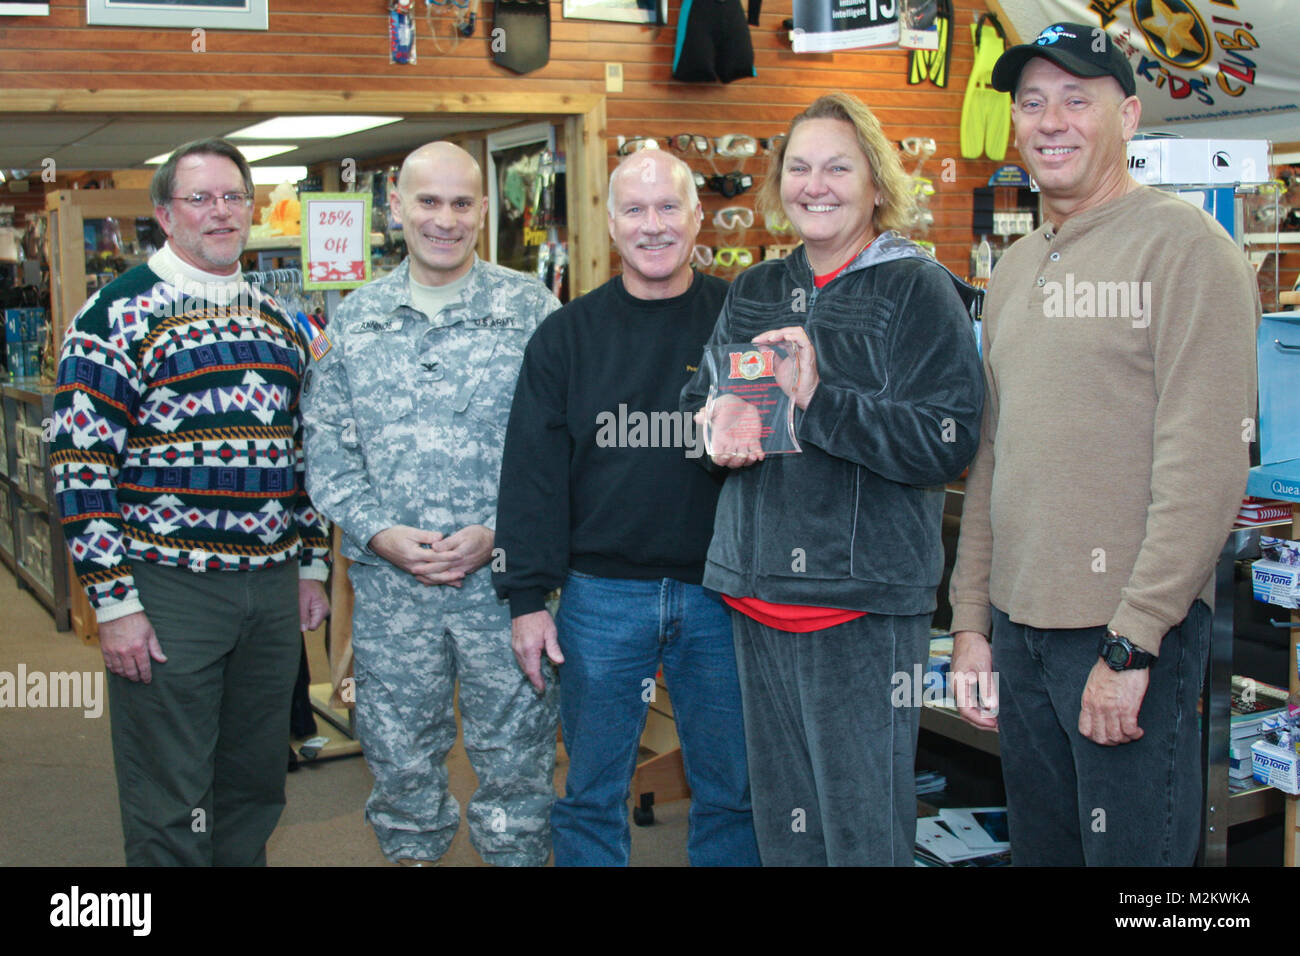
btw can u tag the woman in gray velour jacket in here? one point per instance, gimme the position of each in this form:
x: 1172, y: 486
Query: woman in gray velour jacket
x: 830, y: 558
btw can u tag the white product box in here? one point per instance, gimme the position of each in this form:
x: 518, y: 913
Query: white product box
x: 1276, y: 583
x: 1240, y: 759
x: 1198, y: 162
x: 1276, y: 766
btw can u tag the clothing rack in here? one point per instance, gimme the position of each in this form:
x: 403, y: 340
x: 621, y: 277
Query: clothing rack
x: 286, y: 285
x: 275, y: 277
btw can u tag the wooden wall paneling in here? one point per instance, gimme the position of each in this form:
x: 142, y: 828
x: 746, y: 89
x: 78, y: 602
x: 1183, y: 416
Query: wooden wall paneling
x: 324, y: 55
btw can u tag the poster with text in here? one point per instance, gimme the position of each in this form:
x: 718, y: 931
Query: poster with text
x: 335, y: 240
x: 823, y: 26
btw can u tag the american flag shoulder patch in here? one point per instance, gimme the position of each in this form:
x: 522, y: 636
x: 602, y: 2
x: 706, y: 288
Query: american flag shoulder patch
x: 320, y: 345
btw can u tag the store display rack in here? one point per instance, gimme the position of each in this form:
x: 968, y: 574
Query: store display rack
x: 1222, y: 809
x: 31, y: 539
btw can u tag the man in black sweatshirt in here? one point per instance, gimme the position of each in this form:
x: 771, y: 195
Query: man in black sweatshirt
x: 600, y: 494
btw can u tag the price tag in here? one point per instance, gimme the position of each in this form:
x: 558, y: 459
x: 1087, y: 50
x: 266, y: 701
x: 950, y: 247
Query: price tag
x: 335, y: 240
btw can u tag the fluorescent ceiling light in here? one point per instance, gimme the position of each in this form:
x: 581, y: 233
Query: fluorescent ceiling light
x: 255, y: 153
x: 274, y: 175
x: 252, y: 153
x: 311, y: 127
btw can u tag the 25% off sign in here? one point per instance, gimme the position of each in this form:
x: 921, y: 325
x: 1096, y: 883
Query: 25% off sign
x: 335, y: 240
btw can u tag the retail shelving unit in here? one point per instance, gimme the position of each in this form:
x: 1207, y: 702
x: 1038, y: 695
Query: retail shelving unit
x: 31, y: 539
x: 1223, y: 809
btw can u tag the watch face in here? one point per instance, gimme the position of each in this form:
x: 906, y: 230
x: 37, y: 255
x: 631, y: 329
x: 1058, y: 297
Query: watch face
x: 1116, y: 655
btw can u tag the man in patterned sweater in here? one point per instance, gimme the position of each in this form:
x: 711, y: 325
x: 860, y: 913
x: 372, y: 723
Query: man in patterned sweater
x: 178, y: 470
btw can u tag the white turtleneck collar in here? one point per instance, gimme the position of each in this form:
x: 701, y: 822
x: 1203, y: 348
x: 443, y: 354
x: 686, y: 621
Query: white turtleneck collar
x: 172, y: 269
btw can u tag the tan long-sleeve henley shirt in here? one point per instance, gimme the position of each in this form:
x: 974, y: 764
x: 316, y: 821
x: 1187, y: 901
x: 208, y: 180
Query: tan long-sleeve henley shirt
x: 1119, y: 355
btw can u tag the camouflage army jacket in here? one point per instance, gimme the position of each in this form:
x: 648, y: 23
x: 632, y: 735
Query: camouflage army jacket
x: 405, y: 414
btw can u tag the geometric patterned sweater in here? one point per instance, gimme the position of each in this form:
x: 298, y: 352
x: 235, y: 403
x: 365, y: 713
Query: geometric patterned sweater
x: 177, y: 436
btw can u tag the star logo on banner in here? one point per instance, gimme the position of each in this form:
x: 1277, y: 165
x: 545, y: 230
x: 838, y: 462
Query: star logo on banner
x: 1174, y: 29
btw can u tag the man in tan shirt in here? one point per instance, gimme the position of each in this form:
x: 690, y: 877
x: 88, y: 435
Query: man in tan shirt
x: 1118, y: 349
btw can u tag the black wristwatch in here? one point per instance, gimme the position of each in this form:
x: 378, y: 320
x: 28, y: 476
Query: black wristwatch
x: 1120, y: 654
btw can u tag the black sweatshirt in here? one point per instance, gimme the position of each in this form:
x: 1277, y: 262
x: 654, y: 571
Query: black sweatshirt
x: 599, y: 472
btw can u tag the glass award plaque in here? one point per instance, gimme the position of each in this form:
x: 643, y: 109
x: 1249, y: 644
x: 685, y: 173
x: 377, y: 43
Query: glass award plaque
x: 749, y: 405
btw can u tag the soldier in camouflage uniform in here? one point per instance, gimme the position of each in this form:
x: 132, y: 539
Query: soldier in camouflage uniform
x: 405, y: 413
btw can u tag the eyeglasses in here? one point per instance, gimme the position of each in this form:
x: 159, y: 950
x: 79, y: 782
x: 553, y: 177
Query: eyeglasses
x: 922, y: 186
x: 209, y: 200
x: 734, y: 217
x: 627, y: 145
x: 731, y: 184
x: 729, y: 256
x: 685, y: 142
x: 702, y: 256
x: 736, y: 146
x: 771, y: 144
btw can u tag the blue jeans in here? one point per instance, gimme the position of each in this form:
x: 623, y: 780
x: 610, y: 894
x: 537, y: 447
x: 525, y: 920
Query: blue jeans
x: 614, y: 633
x: 1072, y: 802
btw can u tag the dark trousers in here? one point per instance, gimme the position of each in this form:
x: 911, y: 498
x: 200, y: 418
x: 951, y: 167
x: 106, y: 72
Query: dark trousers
x: 200, y: 751
x: 1072, y: 802
x: 832, y: 762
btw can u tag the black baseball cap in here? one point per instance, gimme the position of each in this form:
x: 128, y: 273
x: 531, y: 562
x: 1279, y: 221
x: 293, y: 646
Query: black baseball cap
x: 1076, y: 48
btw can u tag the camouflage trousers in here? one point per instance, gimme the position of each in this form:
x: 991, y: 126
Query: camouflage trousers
x: 410, y: 650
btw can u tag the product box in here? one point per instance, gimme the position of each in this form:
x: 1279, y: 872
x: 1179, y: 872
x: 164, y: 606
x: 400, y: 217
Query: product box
x: 1240, y: 762
x: 13, y: 326
x: 32, y: 359
x: 1276, y: 575
x: 1198, y: 162
x: 34, y: 323
x: 1276, y: 766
